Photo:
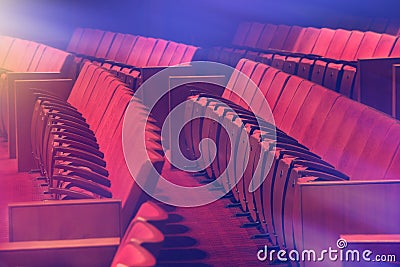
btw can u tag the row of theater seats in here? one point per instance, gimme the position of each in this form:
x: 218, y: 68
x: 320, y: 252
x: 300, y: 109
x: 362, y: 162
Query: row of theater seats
x: 128, y: 52
x: 21, y: 56
x: 78, y: 148
x: 325, y: 56
x: 78, y: 143
x: 127, y: 48
x: 18, y: 55
x: 320, y: 135
x: 377, y: 24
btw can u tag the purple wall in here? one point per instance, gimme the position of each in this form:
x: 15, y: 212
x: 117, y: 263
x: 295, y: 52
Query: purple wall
x: 205, y: 22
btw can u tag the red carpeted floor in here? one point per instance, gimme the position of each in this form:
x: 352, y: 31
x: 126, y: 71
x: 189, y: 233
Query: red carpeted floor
x: 210, y: 235
x: 14, y: 187
x: 217, y: 238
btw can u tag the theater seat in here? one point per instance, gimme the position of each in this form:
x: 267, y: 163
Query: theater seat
x: 74, y: 40
x: 132, y: 254
x: 334, y: 51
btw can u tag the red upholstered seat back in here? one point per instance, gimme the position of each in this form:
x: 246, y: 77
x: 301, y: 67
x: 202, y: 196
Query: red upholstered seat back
x: 127, y: 44
x: 94, y: 39
x: 105, y: 44
x: 353, y: 43
x: 190, y: 52
x: 264, y: 85
x: 338, y: 43
x: 285, y: 37
x: 377, y: 154
x: 232, y: 79
x: 242, y: 81
x: 134, y: 54
x: 178, y: 54
x: 337, y: 130
x: 295, y: 105
x: 385, y: 45
x: 144, y: 55
x: 27, y: 56
x: 322, y: 43
x: 251, y: 88
x: 168, y: 54
x: 53, y: 60
x: 115, y: 46
x: 305, y: 43
x: 266, y: 36
x: 36, y: 58
x: 74, y: 41
x: 241, y: 33
x: 157, y: 52
x: 15, y: 55
x: 253, y: 35
x: 368, y: 45
x: 312, y: 114
x: 81, y: 84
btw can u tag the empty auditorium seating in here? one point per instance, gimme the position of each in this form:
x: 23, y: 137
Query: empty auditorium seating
x: 127, y: 55
x: 78, y: 133
x: 298, y: 157
x: 377, y: 24
x: 78, y: 148
x: 118, y: 51
x: 320, y: 136
x: 325, y: 56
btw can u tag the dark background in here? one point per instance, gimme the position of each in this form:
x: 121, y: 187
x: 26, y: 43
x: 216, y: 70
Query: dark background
x: 202, y: 22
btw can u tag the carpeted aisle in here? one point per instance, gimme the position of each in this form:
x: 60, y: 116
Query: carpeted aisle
x: 14, y: 187
x: 216, y: 236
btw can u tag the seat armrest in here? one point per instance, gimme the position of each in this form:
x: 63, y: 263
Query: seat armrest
x: 320, y: 176
x: 68, y: 115
x: 69, y: 194
x: 38, y: 92
x: 383, y: 248
x: 76, y: 137
x: 80, y: 146
x: 66, y: 219
x: 85, y: 173
x: 83, y: 127
x: 76, y: 181
x: 68, y: 109
x: 75, y: 253
x: 320, y: 167
x: 13, y: 76
x: 86, y: 133
x: 332, y: 206
x: 296, y: 147
x: 80, y: 153
x: 76, y: 161
x: 303, y: 155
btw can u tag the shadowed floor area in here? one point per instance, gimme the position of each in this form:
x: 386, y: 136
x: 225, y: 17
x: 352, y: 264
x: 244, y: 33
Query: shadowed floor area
x: 14, y: 187
x: 214, y: 229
